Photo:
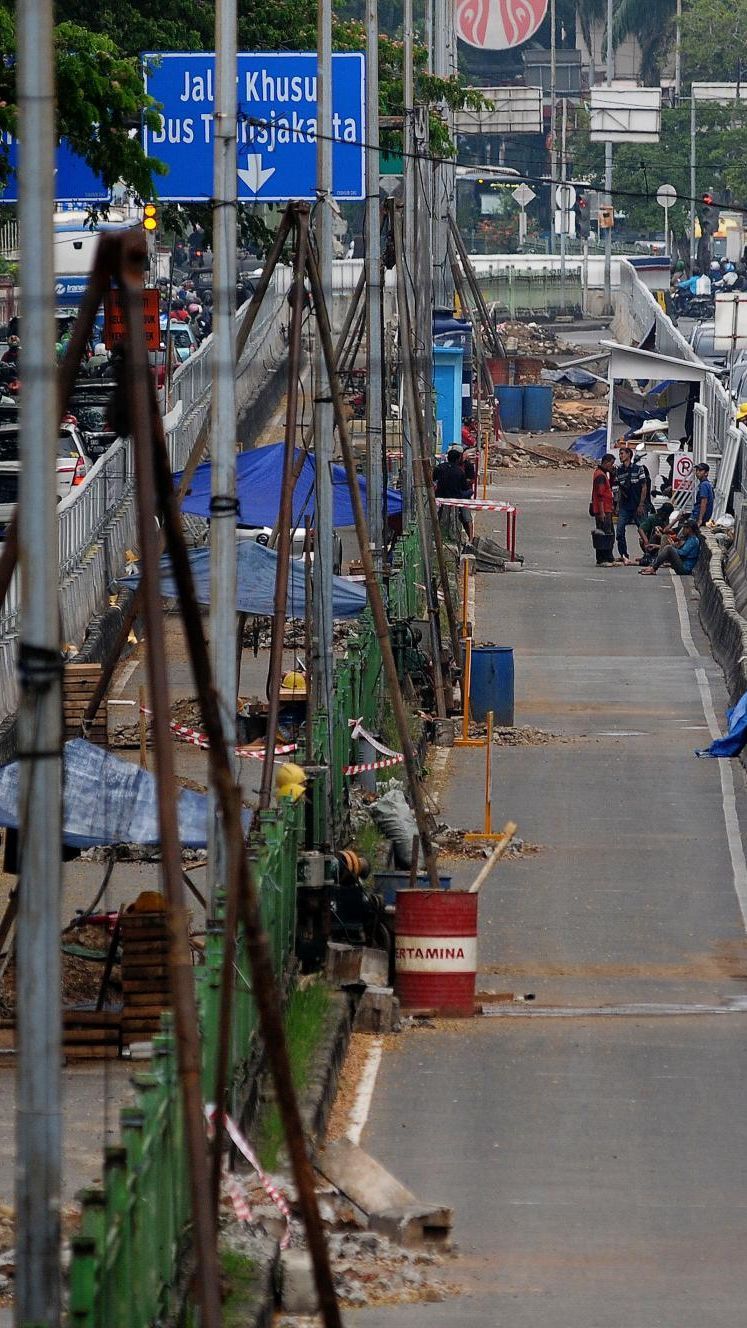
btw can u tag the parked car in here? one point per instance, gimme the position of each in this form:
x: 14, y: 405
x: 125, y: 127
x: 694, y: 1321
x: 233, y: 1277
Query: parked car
x: 73, y: 464
x: 702, y: 342
x: 183, y: 339
x: 263, y: 534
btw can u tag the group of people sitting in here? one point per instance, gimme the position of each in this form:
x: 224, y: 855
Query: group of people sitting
x: 621, y: 497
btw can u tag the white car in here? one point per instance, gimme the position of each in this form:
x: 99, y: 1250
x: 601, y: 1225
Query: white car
x: 73, y: 464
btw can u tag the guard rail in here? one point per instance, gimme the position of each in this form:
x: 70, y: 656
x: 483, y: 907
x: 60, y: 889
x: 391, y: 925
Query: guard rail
x: 97, y: 521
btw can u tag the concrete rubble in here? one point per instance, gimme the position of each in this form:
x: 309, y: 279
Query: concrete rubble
x: 370, y: 1267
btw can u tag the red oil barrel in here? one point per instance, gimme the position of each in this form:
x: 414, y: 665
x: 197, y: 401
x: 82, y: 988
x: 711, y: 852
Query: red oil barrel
x: 435, y: 949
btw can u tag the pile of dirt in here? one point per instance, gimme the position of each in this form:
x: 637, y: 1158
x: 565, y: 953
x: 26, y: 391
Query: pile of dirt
x: 81, y: 978
x: 538, y: 456
x: 530, y: 339
x: 578, y: 412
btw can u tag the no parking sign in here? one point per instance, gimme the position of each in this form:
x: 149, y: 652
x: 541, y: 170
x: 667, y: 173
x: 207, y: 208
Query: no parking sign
x: 682, y: 475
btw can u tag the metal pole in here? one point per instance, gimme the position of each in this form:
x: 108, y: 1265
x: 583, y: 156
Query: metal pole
x: 409, y: 191
x: 424, y: 285
x: 440, y: 177
x: 693, y: 127
x: 374, y: 385
x: 323, y: 414
x: 378, y: 612
x: 678, y: 54
x: 564, y: 209
x: 608, y: 172
x: 285, y: 514
x: 38, y: 1109
x: 222, y: 622
x: 553, y: 125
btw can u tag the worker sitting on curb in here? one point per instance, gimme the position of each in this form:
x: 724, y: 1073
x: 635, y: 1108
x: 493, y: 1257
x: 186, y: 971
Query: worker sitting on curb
x: 681, y: 553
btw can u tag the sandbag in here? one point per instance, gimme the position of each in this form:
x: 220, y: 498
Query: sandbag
x: 393, y: 816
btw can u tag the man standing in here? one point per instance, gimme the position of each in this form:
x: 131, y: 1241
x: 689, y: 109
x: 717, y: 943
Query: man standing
x: 602, y: 505
x: 703, y: 505
x: 631, y: 483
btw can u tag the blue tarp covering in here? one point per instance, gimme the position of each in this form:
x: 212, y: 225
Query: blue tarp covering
x: 592, y: 444
x: 258, y: 476
x: 109, y: 801
x: 736, y: 735
x: 255, y: 590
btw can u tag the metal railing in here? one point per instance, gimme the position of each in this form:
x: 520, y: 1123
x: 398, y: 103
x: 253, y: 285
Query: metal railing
x: 644, y: 313
x: 97, y: 521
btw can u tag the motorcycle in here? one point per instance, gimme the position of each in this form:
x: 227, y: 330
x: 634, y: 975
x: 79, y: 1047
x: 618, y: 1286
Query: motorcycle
x: 693, y: 298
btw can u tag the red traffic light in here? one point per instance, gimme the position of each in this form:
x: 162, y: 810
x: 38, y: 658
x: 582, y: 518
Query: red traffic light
x: 707, y: 199
x: 583, y: 202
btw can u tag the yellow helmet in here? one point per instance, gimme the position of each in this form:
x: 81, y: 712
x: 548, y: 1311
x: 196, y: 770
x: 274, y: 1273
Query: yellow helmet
x: 292, y: 791
x: 294, y: 682
x: 289, y: 773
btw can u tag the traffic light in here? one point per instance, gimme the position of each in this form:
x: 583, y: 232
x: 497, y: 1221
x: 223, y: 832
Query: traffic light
x: 709, y: 218
x: 150, y: 217
x: 583, y: 217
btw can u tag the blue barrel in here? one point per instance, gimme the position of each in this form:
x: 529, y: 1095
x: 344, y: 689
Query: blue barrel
x: 492, y: 684
x: 511, y: 405
x: 538, y: 408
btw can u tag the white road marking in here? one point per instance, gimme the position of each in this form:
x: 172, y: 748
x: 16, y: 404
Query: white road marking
x: 728, y: 794
x: 364, y: 1096
x: 124, y: 677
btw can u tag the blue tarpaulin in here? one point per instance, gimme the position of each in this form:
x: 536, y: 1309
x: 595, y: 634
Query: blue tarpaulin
x: 255, y: 586
x: 735, y: 737
x: 258, y: 477
x: 592, y: 444
x: 109, y: 801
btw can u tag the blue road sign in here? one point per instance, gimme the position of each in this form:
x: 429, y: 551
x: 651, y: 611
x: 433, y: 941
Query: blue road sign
x: 276, y: 130
x: 75, y: 182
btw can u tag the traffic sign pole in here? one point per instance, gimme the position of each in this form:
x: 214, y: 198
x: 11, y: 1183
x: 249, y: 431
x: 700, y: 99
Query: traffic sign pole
x: 323, y: 413
x: 223, y: 431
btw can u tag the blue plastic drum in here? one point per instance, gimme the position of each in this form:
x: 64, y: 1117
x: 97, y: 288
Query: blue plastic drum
x: 511, y: 406
x: 492, y: 684
x: 538, y: 408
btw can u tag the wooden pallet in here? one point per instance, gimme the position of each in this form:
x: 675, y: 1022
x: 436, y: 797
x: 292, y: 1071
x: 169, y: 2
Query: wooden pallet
x: 79, y: 684
x: 145, y: 974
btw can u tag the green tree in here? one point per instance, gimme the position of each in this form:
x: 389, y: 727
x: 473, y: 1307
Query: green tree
x: 714, y: 40
x: 639, y: 169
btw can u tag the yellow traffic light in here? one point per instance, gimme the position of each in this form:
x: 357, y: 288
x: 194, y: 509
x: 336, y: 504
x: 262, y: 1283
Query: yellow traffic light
x: 150, y: 218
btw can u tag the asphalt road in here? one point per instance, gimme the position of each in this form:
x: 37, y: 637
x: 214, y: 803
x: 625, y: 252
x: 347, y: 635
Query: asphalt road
x: 597, y: 1165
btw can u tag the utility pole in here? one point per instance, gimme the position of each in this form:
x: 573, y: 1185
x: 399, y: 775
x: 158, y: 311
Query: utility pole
x: 442, y: 288
x: 565, y: 212
x: 693, y: 128
x: 424, y: 283
x: 678, y: 54
x: 553, y: 125
x: 410, y: 184
x: 608, y: 171
x: 323, y: 412
x: 222, y: 622
x: 38, y: 1001
x: 374, y: 385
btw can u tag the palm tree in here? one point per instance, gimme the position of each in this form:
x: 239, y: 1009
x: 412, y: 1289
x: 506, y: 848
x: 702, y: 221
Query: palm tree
x: 652, y: 22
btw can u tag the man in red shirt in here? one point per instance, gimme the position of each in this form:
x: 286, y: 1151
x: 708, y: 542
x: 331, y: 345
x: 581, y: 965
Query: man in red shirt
x: 602, y: 505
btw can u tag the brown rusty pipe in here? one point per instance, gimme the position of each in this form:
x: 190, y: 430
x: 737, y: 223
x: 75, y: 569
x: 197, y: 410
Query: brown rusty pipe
x: 285, y: 512
x: 241, y: 885
x: 180, y: 960
x: 375, y: 600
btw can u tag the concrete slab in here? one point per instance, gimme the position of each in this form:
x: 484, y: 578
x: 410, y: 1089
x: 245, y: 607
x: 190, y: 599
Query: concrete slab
x: 595, y: 1166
